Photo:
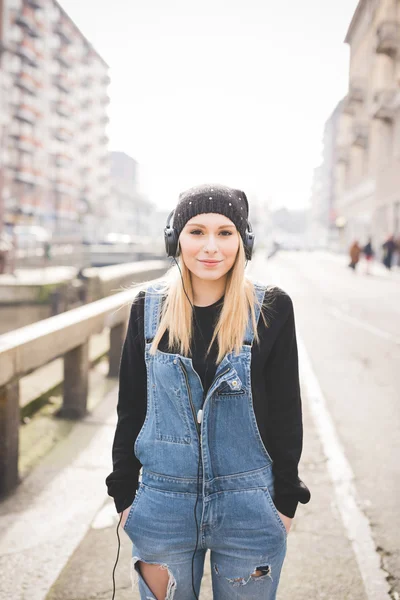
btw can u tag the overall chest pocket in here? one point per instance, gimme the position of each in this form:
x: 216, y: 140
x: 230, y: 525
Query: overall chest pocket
x: 231, y: 387
x: 169, y: 403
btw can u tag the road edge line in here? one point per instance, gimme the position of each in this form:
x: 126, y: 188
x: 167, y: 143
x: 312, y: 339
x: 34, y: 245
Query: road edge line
x: 355, y: 522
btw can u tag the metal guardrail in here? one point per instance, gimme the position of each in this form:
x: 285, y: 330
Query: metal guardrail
x: 66, y: 335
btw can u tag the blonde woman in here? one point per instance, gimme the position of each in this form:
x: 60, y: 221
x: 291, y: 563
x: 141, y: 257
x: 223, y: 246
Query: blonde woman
x: 209, y: 407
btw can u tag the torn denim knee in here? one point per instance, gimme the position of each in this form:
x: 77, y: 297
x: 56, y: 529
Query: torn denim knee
x: 136, y: 576
x: 259, y: 573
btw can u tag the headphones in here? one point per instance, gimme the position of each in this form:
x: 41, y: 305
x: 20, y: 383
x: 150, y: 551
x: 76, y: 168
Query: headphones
x: 171, y: 239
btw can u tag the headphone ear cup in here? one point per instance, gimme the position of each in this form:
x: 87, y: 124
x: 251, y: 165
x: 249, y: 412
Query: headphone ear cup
x: 249, y: 244
x: 171, y: 241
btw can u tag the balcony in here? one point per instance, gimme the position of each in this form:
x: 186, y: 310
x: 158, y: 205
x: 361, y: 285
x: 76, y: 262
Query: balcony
x: 65, y: 108
x: 359, y: 135
x: 105, y: 100
x: 27, y: 52
x: 103, y: 140
x: 26, y: 21
x: 62, y: 109
x: 62, y: 134
x: 64, y: 30
x: 25, y: 176
x: 355, y: 96
x: 62, y: 160
x: 64, y: 58
x: 384, y: 105
x: 106, y: 80
x: 27, y: 83
x: 26, y: 143
x: 342, y: 154
x: 26, y: 114
x: 388, y: 38
x: 36, y: 4
x: 63, y: 83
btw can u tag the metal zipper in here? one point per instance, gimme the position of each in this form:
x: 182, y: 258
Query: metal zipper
x: 197, y: 424
x: 190, y: 399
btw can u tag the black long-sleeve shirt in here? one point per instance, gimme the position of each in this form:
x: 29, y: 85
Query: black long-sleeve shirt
x: 275, y: 391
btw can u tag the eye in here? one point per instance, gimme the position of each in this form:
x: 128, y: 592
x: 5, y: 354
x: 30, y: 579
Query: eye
x: 224, y: 233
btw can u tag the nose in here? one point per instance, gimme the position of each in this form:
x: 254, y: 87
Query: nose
x: 211, y: 245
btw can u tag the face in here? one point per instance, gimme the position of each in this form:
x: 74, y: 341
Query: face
x: 209, y: 244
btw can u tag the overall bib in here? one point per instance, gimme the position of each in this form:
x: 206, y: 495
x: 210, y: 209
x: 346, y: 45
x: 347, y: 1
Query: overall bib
x: 237, y: 519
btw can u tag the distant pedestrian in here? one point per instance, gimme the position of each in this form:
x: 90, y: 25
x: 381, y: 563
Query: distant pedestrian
x: 46, y: 252
x: 369, y: 255
x: 355, y: 252
x: 83, y: 289
x: 398, y: 250
x: 389, y: 248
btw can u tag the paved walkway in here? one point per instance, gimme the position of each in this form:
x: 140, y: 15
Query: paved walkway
x: 377, y: 269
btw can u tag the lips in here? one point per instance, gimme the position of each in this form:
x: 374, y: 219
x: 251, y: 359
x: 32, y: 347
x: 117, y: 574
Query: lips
x: 210, y: 262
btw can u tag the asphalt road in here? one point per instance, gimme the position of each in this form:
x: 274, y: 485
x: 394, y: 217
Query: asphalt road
x: 350, y: 325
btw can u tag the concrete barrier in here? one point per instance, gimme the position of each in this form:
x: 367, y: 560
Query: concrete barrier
x: 66, y: 335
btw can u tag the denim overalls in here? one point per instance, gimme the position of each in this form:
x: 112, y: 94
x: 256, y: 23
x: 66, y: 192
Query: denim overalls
x: 236, y: 516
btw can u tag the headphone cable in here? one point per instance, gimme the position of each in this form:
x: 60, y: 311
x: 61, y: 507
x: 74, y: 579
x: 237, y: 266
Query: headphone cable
x: 199, y: 435
x: 116, y: 562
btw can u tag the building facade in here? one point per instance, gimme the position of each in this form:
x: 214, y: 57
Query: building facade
x: 55, y: 168
x: 367, y: 156
x: 323, y: 224
x: 131, y: 213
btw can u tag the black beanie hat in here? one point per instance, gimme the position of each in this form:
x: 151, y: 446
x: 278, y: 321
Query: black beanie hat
x: 212, y: 198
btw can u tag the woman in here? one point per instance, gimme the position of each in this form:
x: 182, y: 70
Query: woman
x: 355, y: 252
x: 209, y: 405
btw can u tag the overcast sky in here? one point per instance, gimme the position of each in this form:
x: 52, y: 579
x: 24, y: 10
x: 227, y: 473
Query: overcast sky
x: 228, y: 91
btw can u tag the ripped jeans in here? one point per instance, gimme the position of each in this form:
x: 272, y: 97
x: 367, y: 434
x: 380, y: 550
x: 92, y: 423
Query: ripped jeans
x: 241, y: 528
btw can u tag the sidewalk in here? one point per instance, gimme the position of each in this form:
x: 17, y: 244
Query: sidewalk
x: 57, y: 531
x: 377, y: 268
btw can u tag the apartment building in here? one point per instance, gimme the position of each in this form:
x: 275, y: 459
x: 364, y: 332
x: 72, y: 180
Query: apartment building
x: 53, y: 84
x: 367, y: 155
x: 323, y: 225
x: 131, y: 212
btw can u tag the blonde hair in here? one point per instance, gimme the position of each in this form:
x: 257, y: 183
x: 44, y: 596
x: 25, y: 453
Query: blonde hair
x: 177, y: 313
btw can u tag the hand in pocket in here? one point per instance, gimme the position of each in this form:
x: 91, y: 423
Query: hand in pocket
x: 287, y: 521
x: 125, y: 514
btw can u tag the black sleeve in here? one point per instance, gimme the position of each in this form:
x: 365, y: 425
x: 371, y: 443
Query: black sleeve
x: 131, y: 410
x: 285, y: 413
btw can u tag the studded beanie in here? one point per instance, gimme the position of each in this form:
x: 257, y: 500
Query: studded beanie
x: 212, y: 198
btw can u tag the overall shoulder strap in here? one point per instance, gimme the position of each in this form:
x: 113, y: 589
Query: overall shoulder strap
x: 260, y: 293
x: 152, y: 311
